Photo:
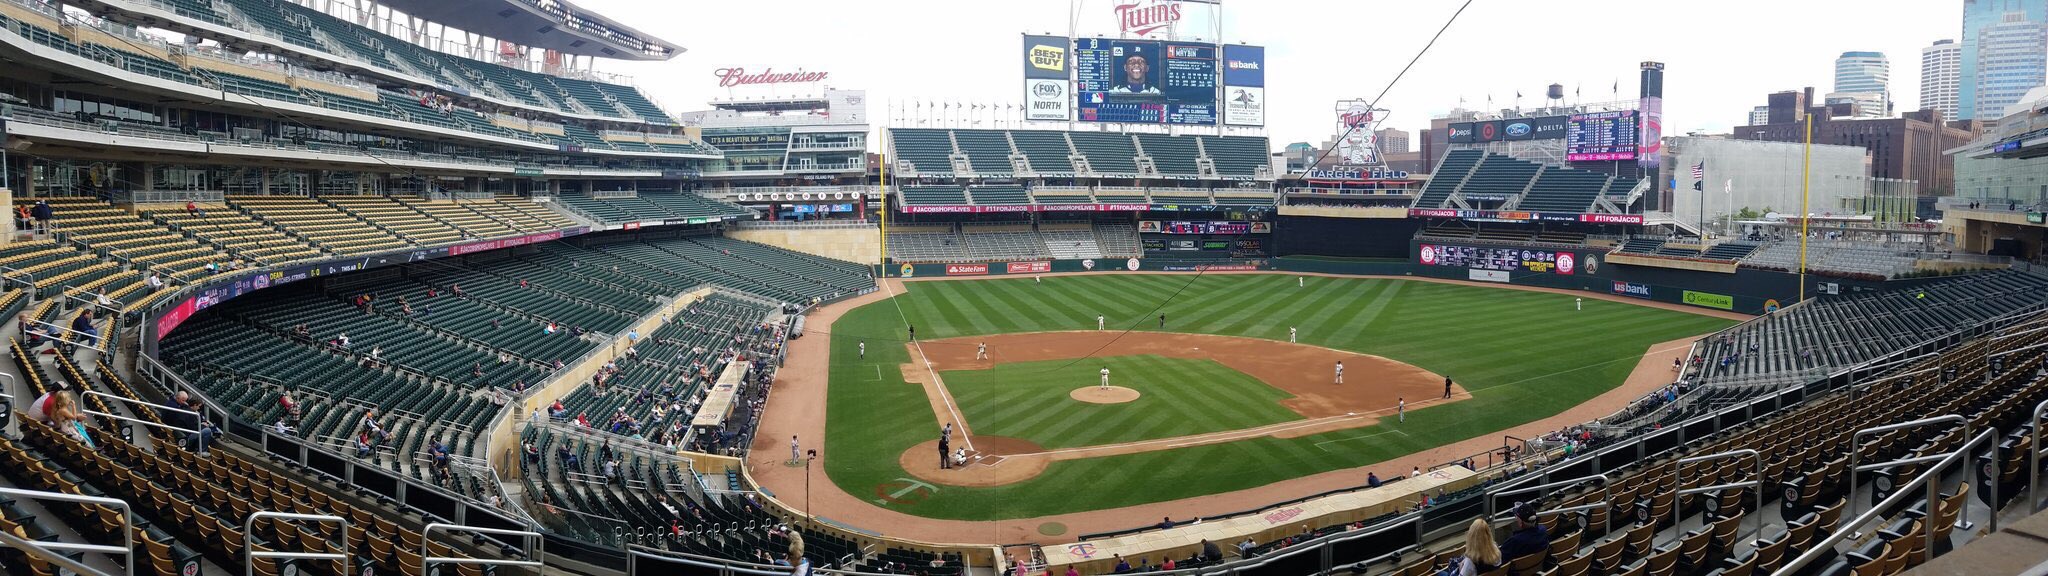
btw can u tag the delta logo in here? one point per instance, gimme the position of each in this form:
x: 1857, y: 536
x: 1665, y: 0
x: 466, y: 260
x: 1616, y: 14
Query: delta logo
x: 1049, y: 58
x: 1142, y: 18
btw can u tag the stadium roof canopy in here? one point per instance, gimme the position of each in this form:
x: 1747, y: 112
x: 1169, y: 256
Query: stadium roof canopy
x: 546, y: 24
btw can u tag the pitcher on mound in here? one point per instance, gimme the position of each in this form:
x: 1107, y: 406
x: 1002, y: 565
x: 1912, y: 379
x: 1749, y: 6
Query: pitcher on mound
x: 1105, y: 379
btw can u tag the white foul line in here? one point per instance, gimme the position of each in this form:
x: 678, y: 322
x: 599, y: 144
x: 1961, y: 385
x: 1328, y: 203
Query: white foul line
x: 1320, y: 444
x: 944, y: 395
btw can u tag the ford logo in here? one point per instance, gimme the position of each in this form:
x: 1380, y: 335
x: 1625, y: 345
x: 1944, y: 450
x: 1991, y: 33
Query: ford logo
x: 1518, y: 129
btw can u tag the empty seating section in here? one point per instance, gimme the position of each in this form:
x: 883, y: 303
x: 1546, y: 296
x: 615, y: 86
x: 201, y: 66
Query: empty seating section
x: 1640, y: 246
x: 928, y: 150
x: 1069, y: 240
x: 1108, y: 153
x: 934, y: 195
x: 1181, y: 197
x: 692, y: 205
x: 987, y: 150
x: 1831, y: 332
x: 257, y: 87
x: 1260, y: 198
x: 1564, y: 190
x: 324, y: 225
x: 767, y: 272
x: 1002, y: 241
x: 471, y: 222
x: 991, y: 242
x: 1047, y: 151
x: 388, y: 213
x: 103, y: 227
x: 1043, y: 196
x: 1118, y: 239
x: 915, y: 243
x: 1239, y: 156
x: 1173, y: 156
x: 1449, y: 174
x: 1499, y: 176
x: 265, y: 13
x: 533, y: 213
x: 1677, y: 251
x: 439, y: 340
x: 241, y: 234
x: 1838, y: 257
x: 651, y: 206
x: 1730, y: 250
x: 1000, y: 195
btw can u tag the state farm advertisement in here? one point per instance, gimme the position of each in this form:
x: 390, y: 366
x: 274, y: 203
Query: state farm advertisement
x: 1027, y: 267
x: 966, y: 269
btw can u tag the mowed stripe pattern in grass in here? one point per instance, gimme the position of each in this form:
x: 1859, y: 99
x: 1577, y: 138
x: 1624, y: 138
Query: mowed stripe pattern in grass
x: 1524, y: 355
x: 1179, y: 397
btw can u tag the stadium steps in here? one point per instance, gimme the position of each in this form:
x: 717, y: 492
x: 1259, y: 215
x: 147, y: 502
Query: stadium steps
x: 1456, y: 167
x: 1048, y: 152
x: 390, y: 215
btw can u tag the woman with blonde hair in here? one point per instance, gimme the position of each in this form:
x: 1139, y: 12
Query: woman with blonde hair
x: 1481, y: 555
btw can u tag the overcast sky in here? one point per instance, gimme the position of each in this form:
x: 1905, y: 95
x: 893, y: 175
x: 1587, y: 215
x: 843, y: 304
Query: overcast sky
x: 1722, y: 56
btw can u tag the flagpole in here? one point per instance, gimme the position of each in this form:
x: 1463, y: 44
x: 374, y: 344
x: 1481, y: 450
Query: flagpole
x: 1805, y: 186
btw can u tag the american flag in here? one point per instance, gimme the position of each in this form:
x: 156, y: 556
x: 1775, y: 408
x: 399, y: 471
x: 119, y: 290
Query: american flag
x: 1699, y: 170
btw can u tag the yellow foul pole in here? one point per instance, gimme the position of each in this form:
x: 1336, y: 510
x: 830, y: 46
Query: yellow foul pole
x: 883, y: 179
x: 1805, y: 189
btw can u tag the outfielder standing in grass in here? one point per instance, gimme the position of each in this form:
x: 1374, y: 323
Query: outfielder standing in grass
x: 1290, y: 334
x: 1401, y: 409
x: 863, y: 349
x: 1098, y: 322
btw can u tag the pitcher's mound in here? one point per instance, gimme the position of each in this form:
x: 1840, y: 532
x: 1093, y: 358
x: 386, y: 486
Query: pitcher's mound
x: 1100, y: 395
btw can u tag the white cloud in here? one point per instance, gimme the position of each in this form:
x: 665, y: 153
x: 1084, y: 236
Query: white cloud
x: 1721, y: 58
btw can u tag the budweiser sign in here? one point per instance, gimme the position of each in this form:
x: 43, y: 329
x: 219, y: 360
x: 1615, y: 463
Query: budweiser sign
x: 730, y: 77
x: 1143, y: 17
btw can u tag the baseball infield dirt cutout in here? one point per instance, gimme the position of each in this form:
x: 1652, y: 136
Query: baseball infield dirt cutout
x: 1102, y: 395
x: 1373, y: 386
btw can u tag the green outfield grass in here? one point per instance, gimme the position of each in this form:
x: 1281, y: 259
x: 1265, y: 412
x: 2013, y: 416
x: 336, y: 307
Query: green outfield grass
x: 1523, y: 355
x: 1179, y: 397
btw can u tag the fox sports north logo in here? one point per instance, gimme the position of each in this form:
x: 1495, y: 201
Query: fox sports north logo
x: 1047, y: 90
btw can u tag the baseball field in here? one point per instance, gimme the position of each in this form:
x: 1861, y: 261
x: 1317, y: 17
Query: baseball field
x: 1217, y: 400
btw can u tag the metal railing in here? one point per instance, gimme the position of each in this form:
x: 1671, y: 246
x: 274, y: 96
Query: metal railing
x: 536, y: 547
x: 1755, y: 481
x: 47, y: 550
x: 1856, y: 447
x: 250, y: 553
x: 2034, y: 459
x: 1931, y: 478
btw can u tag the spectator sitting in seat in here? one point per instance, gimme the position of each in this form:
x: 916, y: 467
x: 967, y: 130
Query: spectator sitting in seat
x: 340, y: 341
x: 1529, y: 537
x: 363, y: 446
x: 371, y: 428
x: 81, y: 326
x: 290, y: 406
x: 32, y: 332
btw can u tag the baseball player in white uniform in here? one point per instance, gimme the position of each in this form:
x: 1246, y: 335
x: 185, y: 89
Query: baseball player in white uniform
x: 1340, y: 371
x: 981, y: 351
x: 1290, y: 334
x: 1105, y: 379
x: 863, y: 349
x: 1098, y: 322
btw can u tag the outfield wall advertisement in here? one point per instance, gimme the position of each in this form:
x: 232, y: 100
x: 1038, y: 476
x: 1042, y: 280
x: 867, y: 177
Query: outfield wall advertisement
x: 1499, y: 259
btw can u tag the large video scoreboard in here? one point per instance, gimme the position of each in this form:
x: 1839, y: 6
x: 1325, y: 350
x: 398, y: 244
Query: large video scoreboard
x: 1145, y: 82
x: 1601, y: 137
